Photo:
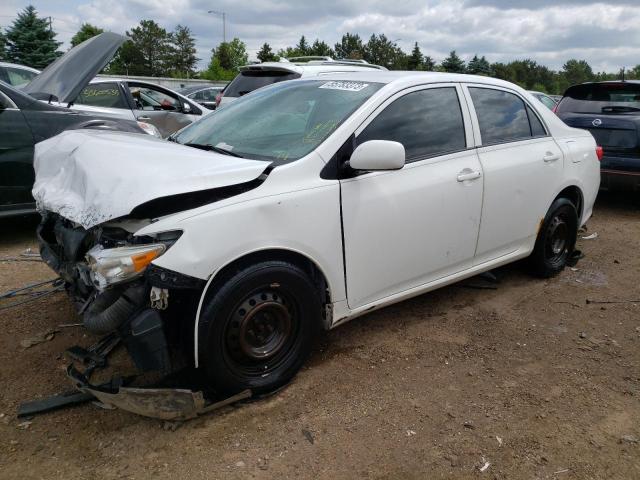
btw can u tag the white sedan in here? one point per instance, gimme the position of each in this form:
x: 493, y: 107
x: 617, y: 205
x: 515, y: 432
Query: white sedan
x: 303, y: 205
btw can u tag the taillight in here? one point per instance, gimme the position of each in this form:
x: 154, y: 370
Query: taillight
x: 218, y: 99
x: 599, y: 152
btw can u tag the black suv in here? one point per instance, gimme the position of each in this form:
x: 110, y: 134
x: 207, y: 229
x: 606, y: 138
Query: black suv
x: 611, y: 112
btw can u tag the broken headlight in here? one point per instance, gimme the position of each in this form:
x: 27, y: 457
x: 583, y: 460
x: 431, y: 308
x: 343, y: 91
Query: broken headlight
x: 114, y: 265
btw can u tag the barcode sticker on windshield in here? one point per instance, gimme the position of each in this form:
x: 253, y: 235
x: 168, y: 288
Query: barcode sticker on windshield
x: 349, y: 86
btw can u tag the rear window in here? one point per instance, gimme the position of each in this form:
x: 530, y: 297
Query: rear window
x: 251, y: 80
x: 601, y: 98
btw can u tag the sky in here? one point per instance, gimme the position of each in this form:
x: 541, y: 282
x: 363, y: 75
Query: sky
x: 548, y: 31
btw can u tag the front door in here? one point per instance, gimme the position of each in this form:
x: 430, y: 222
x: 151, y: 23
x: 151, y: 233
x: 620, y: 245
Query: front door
x: 406, y: 228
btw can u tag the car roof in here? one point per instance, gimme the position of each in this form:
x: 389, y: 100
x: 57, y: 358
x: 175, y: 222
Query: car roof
x: 21, y: 67
x: 417, y: 78
x: 313, y: 66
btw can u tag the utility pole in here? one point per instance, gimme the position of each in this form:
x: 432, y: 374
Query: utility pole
x: 224, y: 23
x: 50, y: 24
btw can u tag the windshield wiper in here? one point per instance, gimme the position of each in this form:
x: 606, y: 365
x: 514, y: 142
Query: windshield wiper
x: 619, y: 108
x: 211, y: 148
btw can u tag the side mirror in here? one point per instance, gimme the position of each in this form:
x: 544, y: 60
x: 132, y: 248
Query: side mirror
x: 378, y: 155
x: 186, y: 108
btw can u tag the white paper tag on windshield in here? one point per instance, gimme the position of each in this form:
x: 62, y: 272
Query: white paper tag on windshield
x: 341, y: 85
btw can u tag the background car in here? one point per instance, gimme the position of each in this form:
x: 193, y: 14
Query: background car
x: 548, y: 102
x: 254, y: 76
x: 17, y: 75
x: 611, y: 112
x: 167, y: 110
x: 205, y: 95
x: 25, y: 121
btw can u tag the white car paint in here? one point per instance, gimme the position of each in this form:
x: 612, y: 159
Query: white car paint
x: 406, y: 232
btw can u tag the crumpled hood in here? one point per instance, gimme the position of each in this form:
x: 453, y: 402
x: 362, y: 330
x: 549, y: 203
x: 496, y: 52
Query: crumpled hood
x: 90, y: 177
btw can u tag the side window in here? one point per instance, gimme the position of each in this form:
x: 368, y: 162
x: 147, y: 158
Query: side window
x: 19, y: 77
x: 537, y: 129
x: 102, y: 95
x: 502, y: 116
x: 427, y: 122
x: 198, y: 95
x: 210, y: 94
x: 148, y: 98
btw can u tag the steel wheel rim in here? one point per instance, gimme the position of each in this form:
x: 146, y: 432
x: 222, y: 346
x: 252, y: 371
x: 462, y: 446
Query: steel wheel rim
x: 557, y: 239
x: 260, y: 332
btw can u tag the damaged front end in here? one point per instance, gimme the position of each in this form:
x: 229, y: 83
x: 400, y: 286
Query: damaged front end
x: 116, y: 289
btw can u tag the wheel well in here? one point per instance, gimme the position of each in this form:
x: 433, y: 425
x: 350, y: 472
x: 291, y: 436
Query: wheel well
x: 298, y: 259
x: 574, y: 195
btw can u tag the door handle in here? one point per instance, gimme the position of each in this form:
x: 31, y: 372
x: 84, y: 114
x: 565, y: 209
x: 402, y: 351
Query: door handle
x: 468, y: 174
x: 144, y: 118
x: 550, y: 157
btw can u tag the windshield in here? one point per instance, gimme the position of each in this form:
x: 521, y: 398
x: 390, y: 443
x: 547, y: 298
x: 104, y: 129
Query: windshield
x: 281, y: 122
x: 601, y: 98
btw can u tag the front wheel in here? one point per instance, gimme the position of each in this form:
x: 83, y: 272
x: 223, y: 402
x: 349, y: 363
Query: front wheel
x: 260, y: 326
x: 556, y: 239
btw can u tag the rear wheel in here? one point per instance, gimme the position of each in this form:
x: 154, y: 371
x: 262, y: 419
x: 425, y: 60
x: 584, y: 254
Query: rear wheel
x: 556, y: 239
x: 260, y: 326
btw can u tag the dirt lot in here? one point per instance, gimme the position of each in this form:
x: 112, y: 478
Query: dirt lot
x: 528, y: 378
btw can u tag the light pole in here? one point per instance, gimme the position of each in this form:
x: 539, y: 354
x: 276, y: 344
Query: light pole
x: 224, y: 23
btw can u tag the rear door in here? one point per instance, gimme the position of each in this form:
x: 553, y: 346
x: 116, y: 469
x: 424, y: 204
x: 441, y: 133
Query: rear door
x: 611, y: 112
x: 406, y: 228
x: 522, y: 166
x: 16, y: 158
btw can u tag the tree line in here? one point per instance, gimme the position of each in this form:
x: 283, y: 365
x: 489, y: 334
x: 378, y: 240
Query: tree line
x: 151, y: 50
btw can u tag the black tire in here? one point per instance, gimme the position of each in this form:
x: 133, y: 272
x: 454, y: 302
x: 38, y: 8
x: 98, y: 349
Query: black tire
x: 556, y: 239
x: 259, y: 328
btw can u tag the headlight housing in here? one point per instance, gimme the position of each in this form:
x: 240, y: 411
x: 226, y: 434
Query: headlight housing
x: 114, y: 265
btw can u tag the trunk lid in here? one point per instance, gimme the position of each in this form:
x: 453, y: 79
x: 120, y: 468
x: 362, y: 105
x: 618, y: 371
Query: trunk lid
x: 65, y: 78
x: 90, y: 176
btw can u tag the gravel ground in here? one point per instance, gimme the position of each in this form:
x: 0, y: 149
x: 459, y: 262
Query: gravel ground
x: 524, y: 381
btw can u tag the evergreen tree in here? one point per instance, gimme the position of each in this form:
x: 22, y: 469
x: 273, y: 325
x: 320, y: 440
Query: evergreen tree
x: 321, y: 49
x: 428, y: 64
x: 31, y: 41
x: 453, y: 63
x: 350, y: 47
x: 85, y: 33
x: 266, y: 54
x: 154, y: 43
x: 415, y: 60
x: 479, y: 66
x: 3, y: 47
x: 381, y: 51
x: 184, y: 60
x: 302, y: 47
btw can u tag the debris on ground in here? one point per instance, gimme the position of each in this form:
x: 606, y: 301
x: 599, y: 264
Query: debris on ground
x: 628, y: 439
x: 593, y: 236
x: 499, y: 439
x: 42, y: 337
x: 485, y: 466
x: 308, y: 435
x: 611, y: 301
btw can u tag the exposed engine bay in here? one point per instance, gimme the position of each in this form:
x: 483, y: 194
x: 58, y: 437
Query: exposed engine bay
x: 117, y: 291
